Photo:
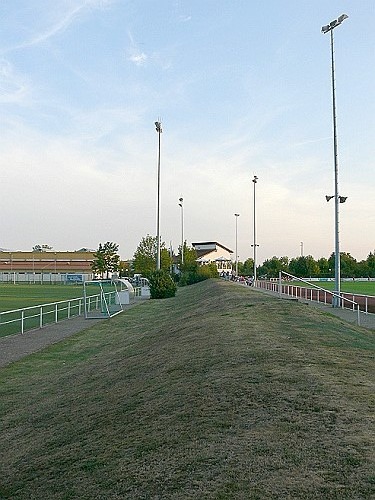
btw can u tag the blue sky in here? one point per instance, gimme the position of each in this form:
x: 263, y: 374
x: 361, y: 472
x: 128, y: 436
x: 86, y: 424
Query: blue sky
x: 242, y: 89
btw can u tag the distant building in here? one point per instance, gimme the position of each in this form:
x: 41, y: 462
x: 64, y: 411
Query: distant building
x: 212, y: 252
x: 46, y: 266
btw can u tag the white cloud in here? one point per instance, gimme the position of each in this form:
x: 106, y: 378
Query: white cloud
x: 13, y: 88
x: 136, y: 56
x: 138, y: 59
x: 60, y: 20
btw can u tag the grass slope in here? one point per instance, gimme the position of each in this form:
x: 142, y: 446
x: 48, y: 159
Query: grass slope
x: 221, y: 392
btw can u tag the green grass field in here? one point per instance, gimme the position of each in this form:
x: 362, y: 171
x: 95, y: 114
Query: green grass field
x: 357, y: 287
x: 19, y: 295
x: 222, y: 392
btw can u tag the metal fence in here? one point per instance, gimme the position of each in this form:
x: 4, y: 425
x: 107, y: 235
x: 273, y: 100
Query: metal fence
x: 355, y: 302
x: 33, y: 317
x: 365, y: 302
x: 29, y: 318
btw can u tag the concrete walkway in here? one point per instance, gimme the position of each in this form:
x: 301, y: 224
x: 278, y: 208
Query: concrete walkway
x: 366, y: 320
x: 15, y: 347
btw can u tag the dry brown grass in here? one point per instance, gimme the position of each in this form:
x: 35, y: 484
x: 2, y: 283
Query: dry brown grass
x: 219, y: 393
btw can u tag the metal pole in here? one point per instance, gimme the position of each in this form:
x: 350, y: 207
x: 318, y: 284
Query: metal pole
x: 159, y: 131
x: 336, y: 299
x: 236, y: 216
x: 255, y: 180
x: 181, y: 204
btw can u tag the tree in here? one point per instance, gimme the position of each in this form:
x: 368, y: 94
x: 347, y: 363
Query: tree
x: 304, y: 266
x: 190, y: 259
x: 371, y: 264
x: 272, y: 267
x: 348, y: 264
x: 125, y: 268
x: 106, y: 259
x: 144, y: 260
x: 246, y: 268
x: 166, y: 259
x: 324, y: 271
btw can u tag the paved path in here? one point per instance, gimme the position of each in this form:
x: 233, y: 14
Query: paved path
x: 14, y: 347
x: 366, y: 320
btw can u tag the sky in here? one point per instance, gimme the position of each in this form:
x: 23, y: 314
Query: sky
x: 241, y: 89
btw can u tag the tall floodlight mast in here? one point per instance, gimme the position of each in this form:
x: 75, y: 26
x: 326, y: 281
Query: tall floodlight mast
x: 336, y: 300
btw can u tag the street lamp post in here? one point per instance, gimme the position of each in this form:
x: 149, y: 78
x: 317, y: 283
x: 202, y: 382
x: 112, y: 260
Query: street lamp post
x: 181, y: 204
x: 159, y: 131
x: 255, y: 245
x: 329, y: 29
x: 236, y: 216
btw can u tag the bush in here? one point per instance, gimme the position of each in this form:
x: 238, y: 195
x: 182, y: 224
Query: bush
x: 198, y: 273
x: 162, y: 285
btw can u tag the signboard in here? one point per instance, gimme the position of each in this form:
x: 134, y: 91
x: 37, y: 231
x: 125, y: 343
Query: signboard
x: 74, y: 278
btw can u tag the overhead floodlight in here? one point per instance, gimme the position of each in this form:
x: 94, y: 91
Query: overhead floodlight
x: 158, y: 127
x: 343, y: 199
x: 255, y: 179
x: 333, y: 24
x: 329, y: 197
x: 342, y: 18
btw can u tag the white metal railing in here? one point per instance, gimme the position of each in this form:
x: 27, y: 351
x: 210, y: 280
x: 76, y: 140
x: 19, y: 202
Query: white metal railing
x: 28, y: 318
x: 32, y: 317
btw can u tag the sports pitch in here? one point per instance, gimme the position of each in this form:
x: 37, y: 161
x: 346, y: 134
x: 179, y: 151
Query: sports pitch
x: 19, y: 295
x: 356, y: 287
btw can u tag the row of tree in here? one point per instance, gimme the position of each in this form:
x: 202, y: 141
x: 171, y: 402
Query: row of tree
x: 107, y: 260
x: 307, y: 266
x: 186, y: 270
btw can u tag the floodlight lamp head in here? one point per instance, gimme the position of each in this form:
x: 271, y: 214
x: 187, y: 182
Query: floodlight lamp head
x: 158, y: 126
x: 342, y: 18
x: 329, y: 197
x: 236, y: 215
x: 334, y: 24
x: 343, y: 199
x: 181, y: 199
x: 255, y: 179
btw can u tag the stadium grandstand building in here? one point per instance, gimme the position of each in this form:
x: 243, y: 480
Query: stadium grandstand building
x: 46, y: 266
x: 212, y: 252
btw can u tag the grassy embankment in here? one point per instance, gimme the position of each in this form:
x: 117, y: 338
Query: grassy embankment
x: 222, y: 392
